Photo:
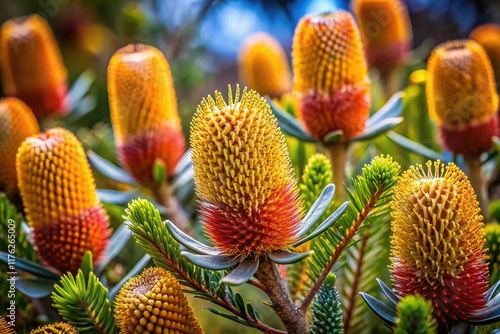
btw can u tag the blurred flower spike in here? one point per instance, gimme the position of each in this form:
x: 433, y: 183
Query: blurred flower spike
x: 56, y: 328
x: 385, y: 30
x: 331, y: 76
x: 154, y: 302
x: 437, y: 244
x: 488, y: 35
x: 31, y: 66
x: 144, y: 111
x: 249, y: 200
x: 462, y: 97
x: 17, y: 122
x: 263, y: 65
x: 60, y: 200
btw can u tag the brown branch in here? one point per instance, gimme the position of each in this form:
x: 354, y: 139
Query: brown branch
x: 338, y: 250
x: 282, y: 303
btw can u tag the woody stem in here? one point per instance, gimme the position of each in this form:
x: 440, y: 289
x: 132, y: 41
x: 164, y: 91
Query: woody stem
x: 336, y: 153
x: 476, y: 181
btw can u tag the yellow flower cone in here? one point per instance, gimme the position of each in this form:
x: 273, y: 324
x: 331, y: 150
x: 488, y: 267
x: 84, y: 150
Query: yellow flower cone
x: 17, y: 122
x: 5, y: 328
x: 249, y: 200
x: 153, y: 302
x: 263, y: 65
x: 56, y: 328
x: 462, y: 97
x: 488, y: 35
x: 60, y: 201
x: 331, y: 76
x: 31, y: 66
x: 144, y: 111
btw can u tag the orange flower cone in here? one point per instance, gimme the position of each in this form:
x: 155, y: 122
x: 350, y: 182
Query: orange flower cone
x: 60, y: 201
x: 488, y: 35
x: 56, y: 328
x: 5, y: 328
x: 31, y: 66
x: 17, y: 122
x: 462, y: 97
x: 144, y: 111
x: 153, y: 302
x: 249, y: 201
x: 263, y: 65
x: 437, y: 247
x: 331, y: 76
x: 385, y: 30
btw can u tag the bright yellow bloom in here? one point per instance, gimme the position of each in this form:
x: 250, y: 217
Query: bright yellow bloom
x: 386, y: 31
x: 437, y: 243
x: 263, y: 65
x: 144, y: 110
x: 243, y: 176
x: 56, y: 328
x: 462, y: 96
x: 5, y: 328
x: 331, y: 76
x: 60, y: 201
x: 488, y: 35
x: 32, y: 67
x: 153, y: 302
x: 17, y: 122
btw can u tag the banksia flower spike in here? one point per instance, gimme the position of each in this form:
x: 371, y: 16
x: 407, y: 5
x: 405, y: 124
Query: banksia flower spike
x: 153, y: 302
x: 263, y: 65
x: 462, y: 97
x: 56, y: 328
x: 331, y: 77
x: 437, y: 247
x: 59, y: 197
x: 327, y: 310
x: 17, y: 122
x: 144, y: 111
x: 385, y: 30
x: 488, y: 35
x: 31, y: 66
x: 5, y: 328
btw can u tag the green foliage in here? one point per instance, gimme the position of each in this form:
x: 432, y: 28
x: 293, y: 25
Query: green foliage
x: 326, y: 310
x: 84, y: 304
x: 415, y: 316
x: 492, y: 244
x: 369, y: 200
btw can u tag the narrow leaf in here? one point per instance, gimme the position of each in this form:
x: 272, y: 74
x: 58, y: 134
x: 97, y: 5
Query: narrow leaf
x: 289, y: 124
x: 80, y: 87
x: 377, y: 129
x: 188, y: 242
x: 388, y: 292
x: 242, y: 273
x: 284, y: 257
x: 385, y: 313
x: 108, y: 169
x: 392, y: 108
x: 35, y: 287
x: 212, y: 262
x: 115, y: 196
x: 31, y: 267
x: 316, y: 210
x: 414, y: 146
x: 116, y: 243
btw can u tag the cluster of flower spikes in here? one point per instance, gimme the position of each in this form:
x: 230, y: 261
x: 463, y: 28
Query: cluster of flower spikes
x: 17, y: 122
x: 263, y: 65
x: 31, y: 66
x: 249, y: 201
x: 462, y: 97
x: 331, y: 80
x: 143, y: 109
x: 56, y: 328
x: 385, y: 30
x: 154, y: 302
x: 437, y: 247
x: 60, y: 200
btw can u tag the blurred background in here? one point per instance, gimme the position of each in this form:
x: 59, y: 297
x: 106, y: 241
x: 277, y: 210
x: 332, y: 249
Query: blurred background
x: 201, y: 38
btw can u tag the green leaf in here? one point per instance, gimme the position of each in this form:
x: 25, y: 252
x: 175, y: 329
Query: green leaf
x: 109, y: 170
x: 316, y: 210
x: 414, y: 147
x: 87, y: 264
x: 115, y: 245
x: 385, y: 313
x: 212, y: 262
x: 115, y: 196
x: 392, y: 108
x: 285, y: 257
x: 377, y: 129
x: 84, y: 304
x: 415, y: 316
x: 336, y: 136
x: 30, y: 267
x: 188, y: 242
x: 242, y: 273
x: 80, y: 87
x: 289, y: 124
x: 35, y: 287
x: 159, y: 171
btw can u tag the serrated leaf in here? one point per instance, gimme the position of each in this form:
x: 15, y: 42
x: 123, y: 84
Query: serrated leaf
x: 108, y: 169
x: 35, y: 287
x: 115, y: 245
x: 242, y: 273
x: 284, y: 257
x: 31, y: 267
x: 316, y: 210
x: 414, y: 147
x: 289, y: 124
x: 385, y: 313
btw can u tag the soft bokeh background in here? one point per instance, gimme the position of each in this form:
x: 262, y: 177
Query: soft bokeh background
x: 200, y: 39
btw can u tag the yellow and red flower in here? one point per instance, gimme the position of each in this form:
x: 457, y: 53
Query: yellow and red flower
x: 263, y: 65
x: 462, y: 97
x: 331, y: 77
x: 437, y: 247
x: 144, y: 111
x: 385, y: 30
x: 153, y: 302
x: 17, y: 122
x: 488, y: 35
x: 56, y: 328
x: 31, y: 66
x: 60, y: 200
x: 249, y: 201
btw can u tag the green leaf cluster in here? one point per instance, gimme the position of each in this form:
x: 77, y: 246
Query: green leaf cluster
x: 415, y: 316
